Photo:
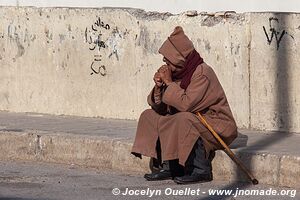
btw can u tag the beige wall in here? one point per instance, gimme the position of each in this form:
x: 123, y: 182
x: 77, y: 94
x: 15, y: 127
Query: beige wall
x: 46, y: 58
x: 275, y: 72
x: 173, y: 6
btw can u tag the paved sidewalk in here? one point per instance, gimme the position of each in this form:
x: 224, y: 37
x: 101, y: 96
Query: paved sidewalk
x: 41, y: 181
x: 274, y: 158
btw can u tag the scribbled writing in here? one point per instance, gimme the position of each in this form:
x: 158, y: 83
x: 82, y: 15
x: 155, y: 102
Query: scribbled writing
x: 274, y: 33
x: 94, y: 37
x: 97, y: 67
x: 94, y: 41
x: 99, y: 24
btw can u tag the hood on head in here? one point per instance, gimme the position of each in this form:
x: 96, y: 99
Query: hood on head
x: 177, y: 47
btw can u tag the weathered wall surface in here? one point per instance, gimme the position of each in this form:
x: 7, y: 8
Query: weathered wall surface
x: 275, y: 72
x: 169, y: 5
x: 100, y: 62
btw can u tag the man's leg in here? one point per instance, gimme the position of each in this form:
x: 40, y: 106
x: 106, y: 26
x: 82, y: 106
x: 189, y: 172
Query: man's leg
x: 168, y: 169
x: 157, y: 162
x: 163, y: 172
x: 197, y: 168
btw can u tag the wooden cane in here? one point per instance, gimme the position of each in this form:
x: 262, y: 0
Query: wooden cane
x: 228, y: 151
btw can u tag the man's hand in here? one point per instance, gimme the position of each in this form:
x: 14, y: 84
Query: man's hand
x: 157, y: 80
x: 165, y: 74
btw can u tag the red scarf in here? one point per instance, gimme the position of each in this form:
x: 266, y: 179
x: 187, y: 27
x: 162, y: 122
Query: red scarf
x: 192, y: 61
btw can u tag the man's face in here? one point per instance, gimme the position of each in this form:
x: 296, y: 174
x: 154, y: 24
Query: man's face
x: 173, y: 68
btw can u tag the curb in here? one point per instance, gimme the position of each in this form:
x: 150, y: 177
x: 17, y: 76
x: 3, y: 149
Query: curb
x: 103, y: 152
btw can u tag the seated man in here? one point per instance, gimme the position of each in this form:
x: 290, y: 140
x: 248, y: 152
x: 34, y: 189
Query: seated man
x: 171, y: 130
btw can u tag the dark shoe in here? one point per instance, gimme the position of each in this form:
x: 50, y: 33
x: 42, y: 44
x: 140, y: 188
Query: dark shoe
x: 158, y: 176
x: 194, y: 178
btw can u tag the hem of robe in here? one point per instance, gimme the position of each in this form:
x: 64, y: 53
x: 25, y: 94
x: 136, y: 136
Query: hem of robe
x: 138, y: 153
x: 182, y: 158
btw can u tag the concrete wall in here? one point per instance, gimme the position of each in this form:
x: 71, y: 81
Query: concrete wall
x: 100, y: 62
x: 275, y: 72
x: 173, y: 6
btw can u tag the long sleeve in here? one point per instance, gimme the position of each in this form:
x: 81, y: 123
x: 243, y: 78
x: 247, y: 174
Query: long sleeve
x: 186, y: 100
x: 154, y: 99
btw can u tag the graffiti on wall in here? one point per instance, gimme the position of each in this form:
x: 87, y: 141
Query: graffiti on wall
x: 274, y: 33
x: 103, y: 40
x: 94, y: 37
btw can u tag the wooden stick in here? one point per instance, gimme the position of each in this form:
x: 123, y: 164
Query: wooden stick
x: 228, y: 150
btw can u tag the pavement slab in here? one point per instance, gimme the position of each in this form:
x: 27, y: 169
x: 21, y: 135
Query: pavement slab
x: 43, y: 181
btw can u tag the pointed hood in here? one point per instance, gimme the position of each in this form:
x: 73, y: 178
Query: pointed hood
x: 177, y: 47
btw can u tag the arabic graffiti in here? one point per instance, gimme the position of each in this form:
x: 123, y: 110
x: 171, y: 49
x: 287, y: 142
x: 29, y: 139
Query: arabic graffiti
x: 274, y: 32
x: 94, y: 42
x: 100, y: 24
x: 94, y: 37
x: 96, y: 64
x: 104, y: 41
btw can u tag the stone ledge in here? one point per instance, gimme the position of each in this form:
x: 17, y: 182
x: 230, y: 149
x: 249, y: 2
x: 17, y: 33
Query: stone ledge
x: 114, y: 153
